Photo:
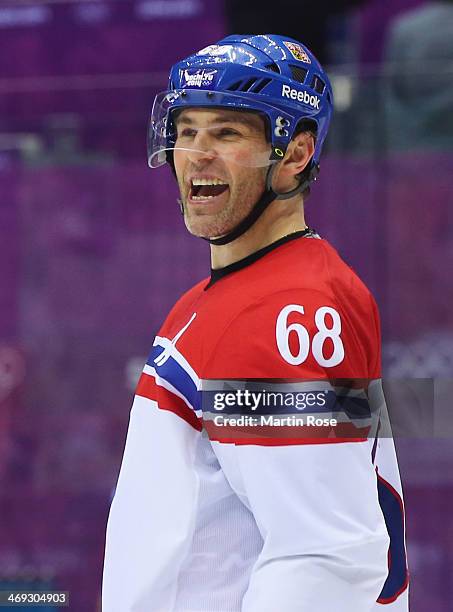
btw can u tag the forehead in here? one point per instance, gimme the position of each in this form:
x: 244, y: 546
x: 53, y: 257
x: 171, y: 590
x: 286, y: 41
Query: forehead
x: 214, y: 116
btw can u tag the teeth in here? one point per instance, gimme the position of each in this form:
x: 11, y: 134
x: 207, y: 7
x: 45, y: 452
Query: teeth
x: 203, y: 181
x: 202, y: 197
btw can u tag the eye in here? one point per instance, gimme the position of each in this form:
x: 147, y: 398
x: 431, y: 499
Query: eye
x: 225, y: 132
x: 187, y: 133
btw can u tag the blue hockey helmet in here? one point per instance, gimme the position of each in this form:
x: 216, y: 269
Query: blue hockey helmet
x: 273, y: 75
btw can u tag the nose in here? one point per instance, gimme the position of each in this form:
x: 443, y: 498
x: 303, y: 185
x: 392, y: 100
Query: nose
x: 202, y: 147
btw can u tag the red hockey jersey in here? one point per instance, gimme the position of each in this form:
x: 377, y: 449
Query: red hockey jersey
x: 214, y: 515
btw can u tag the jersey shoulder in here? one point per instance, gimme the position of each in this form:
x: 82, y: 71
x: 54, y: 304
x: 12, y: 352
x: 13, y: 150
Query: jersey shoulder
x: 183, y: 308
x: 325, y: 271
x: 358, y: 305
x: 344, y: 281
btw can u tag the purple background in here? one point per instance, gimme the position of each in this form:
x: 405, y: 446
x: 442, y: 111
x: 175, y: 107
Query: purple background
x: 94, y: 253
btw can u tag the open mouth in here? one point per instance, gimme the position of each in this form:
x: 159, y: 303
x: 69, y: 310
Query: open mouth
x: 206, y: 189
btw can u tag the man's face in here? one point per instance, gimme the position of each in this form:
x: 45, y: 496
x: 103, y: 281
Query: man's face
x: 228, y: 150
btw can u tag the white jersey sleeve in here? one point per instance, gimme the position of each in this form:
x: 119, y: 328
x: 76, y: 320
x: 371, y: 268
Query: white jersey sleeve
x: 149, y: 528
x: 324, y: 538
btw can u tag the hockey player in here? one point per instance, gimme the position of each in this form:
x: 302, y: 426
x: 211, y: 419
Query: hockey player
x: 217, y: 514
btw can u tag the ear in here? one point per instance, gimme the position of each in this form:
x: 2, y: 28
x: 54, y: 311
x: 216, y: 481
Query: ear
x: 297, y: 157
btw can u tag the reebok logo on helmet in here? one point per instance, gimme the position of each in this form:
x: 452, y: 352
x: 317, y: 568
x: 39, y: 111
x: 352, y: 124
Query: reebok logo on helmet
x: 300, y: 96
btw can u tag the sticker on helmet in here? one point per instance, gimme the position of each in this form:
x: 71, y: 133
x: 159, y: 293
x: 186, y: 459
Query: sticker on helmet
x: 198, y: 78
x: 215, y: 50
x: 297, y: 51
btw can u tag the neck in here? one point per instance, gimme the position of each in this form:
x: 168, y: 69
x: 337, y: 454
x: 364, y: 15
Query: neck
x: 281, y: 218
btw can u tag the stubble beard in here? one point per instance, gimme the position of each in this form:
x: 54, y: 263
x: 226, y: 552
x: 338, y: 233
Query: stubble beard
x: 240, y: 202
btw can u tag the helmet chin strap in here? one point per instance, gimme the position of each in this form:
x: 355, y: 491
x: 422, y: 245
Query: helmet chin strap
x: 267, y: 197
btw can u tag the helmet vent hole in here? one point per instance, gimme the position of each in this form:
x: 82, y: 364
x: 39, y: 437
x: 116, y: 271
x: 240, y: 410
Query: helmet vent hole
x: 299, y: 74
x: 261, y: 85
x: 235, y: 86
x: 318, y: 85
x: 248, y: 84
x: 253, y: 84
x: 273, y: 68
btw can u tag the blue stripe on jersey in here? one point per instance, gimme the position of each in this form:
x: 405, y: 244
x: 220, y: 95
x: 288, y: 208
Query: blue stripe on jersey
x: 392, y: 509
x: 175, y: 374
